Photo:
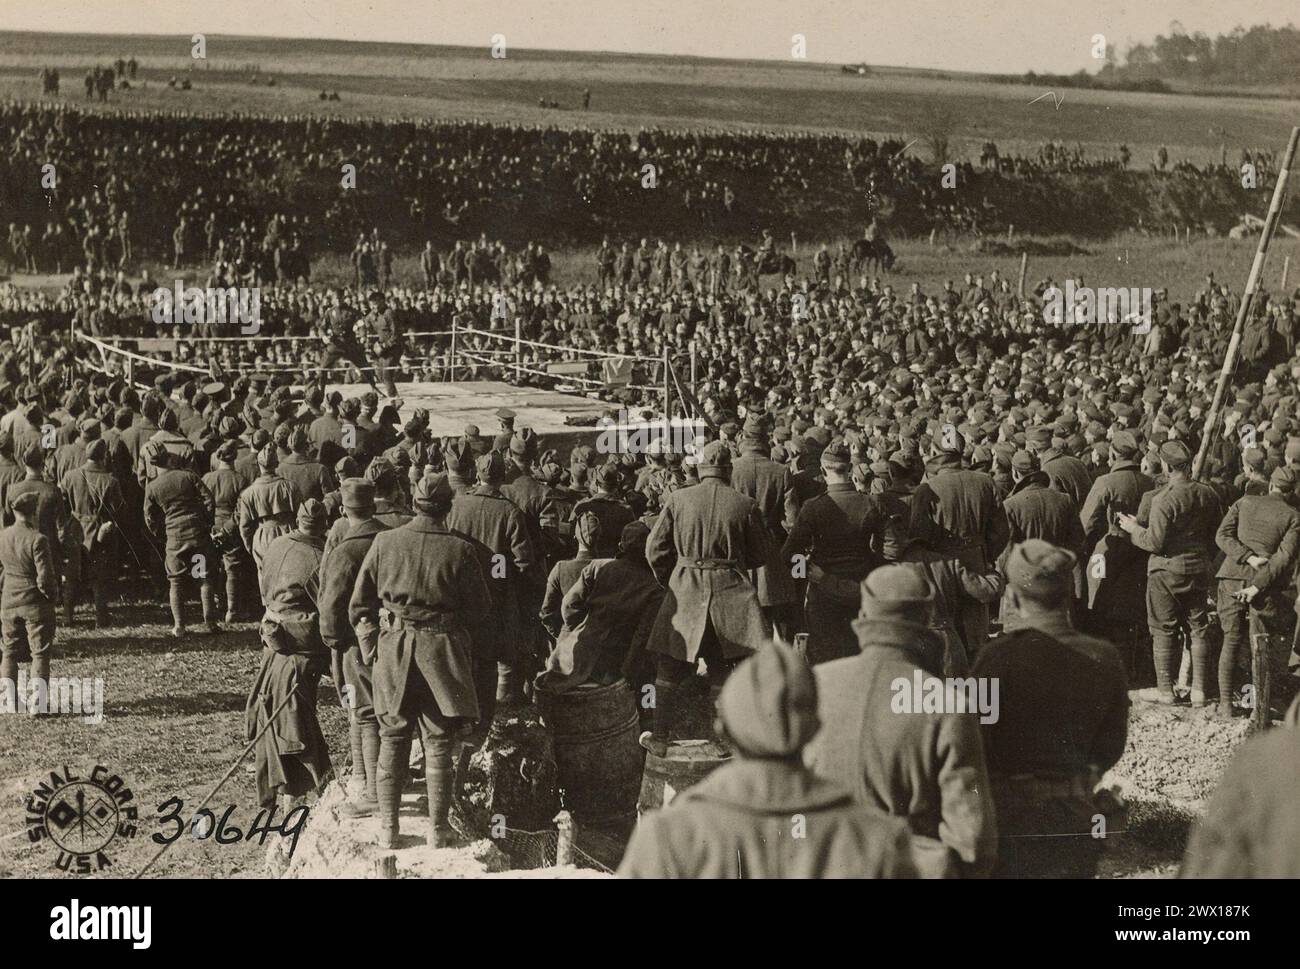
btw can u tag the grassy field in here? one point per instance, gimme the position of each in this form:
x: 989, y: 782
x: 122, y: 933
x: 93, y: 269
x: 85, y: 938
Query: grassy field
x: 173, y: 724
x: 630, y: 91
x: 1130, y: 260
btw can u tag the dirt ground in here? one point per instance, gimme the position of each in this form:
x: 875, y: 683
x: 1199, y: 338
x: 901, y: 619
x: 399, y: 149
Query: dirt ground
x: 173, y: 724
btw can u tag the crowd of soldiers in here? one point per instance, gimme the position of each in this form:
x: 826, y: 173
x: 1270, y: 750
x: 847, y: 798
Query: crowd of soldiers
x: 168, y: 186
x: 1014, y: 504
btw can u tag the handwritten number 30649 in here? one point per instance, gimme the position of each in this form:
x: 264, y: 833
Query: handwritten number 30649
x: 204, y: 824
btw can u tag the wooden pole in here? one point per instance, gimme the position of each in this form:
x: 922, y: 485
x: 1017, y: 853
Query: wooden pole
x: 519, y: 349
x: 564, y: 844
x: 1247, y: 301
x: 667, y: 390
x: 451, y: 363
x: 1024, y: 268
x: 1286, y: 268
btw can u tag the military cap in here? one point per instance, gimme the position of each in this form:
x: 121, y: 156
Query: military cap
x: 298, y: 440
x: 550, y: 473
x: 230, y: 427
x: 433, y: 494
x: 370, y: 399
x: 347, y: 467
x: 357, y: 493
x: 1024, y: 462
x: 311, y: 517
x: 1124, y: 443
x: 896, y: 592
x: 261, y: 438
x: 1175, y: 453
x: 33, y: 455
x: 491, y: 467
x: 836, y: 456
x: 315, y: 395
x: 715, y: 456
x: 608, y: 477
x: 1283, y: 479
x: 756, y: 424
x: 768, y: 706
x: 1040, y: 570
x: 381, y: 471
x: 1254, y: 458
x: 524, y: 442
x: 1292, y: 451
x: 97, y: 450
x: 350, y: 407
x: 1039, y: 435
x: 281, y: 434
x: 214, y: 390
x: 268, y: 459
x: 26, y: 503
x: 505, y: 415
x: 228, y: 451
x: 91, y: 429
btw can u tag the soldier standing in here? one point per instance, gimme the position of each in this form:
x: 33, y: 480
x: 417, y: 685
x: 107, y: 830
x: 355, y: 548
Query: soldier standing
x: 179, y: 505
x: 384, y: 341
x: 30, y: 588
x: 309, y: 478
x: 292, y: 758
x: 1062, y: 723
x: 515, y: 568
x: 430, y: 581
x: 924, y: 766
x: 97, y: 505
x: 1259, y: 538
x: 225, y: 485
x: 1116, y: 568
x: 769, y: 483
x: 339, y: 568
x: 841, y: 532
x: 1183, y: 520
x: 266, y: 508
x: 706, y: 541
x: 956, y: 511
x: 721, y: 827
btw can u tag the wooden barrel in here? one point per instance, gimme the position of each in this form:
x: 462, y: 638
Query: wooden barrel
x: 597, y: 758
x: 686, y: 762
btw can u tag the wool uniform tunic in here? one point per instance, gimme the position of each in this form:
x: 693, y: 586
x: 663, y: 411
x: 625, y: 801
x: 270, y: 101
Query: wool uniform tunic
x: 706, y: 540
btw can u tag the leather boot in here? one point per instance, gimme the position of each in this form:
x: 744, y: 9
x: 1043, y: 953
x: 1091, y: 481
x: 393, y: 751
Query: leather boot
x: 370, y: 757
x: 176, y: 598
x: 1164, y: 655
x: 40, y: 670
x: 391, y: 771
x: 1202, y: 671
x: 357, y: 782
x: 656, y: 739
x: 101, y: 604
x: 232, y: 596
x: 438, y: 780
x: 69, y: 603
x: 208, y: 596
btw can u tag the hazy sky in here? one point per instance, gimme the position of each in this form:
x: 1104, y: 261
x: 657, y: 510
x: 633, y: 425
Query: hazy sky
x: 1000, y: 36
